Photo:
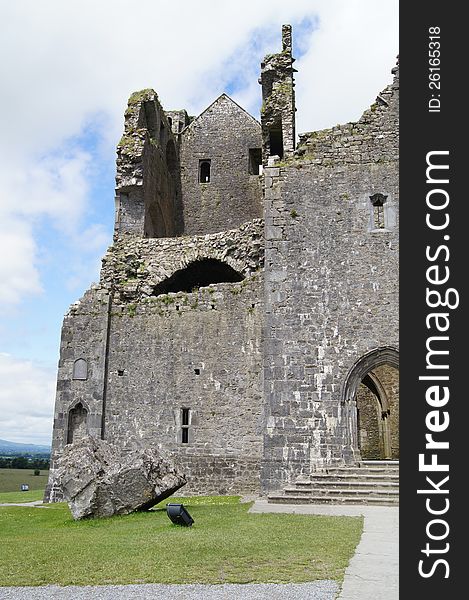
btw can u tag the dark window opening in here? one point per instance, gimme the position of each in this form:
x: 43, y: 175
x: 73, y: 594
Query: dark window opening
x: 197, y: 371
x: 199, y: 273
x: 170, y: 121
x: 120, y: 372
x: 377, y: 201
x: 204, y: 171
x: 255, y: 161
x: 276, y: 142
x: 185, y: 425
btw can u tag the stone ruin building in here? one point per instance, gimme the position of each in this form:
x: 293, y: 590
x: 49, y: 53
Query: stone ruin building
x: 246, y: 318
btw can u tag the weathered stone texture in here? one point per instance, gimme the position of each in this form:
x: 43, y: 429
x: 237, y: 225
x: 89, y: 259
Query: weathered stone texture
x: 224, y: 133
x: 278, y: 101
x: 331, y: 287
x: 155, y: 344
x: 99, y: 479
x: 133, y: 267
x: 239, y: 346
x: 148, y: 194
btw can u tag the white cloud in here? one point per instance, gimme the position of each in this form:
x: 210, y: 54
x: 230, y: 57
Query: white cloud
x: 19, y: 275
x: 69, y: 66
x: 26, y: 400
x: 76, y: 62
x: 348, y: 62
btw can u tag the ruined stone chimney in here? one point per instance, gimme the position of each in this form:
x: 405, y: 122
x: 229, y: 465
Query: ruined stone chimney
x: 278, y: 100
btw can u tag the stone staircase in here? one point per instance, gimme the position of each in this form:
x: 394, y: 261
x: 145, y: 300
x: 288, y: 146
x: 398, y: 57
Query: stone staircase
x: 368, y: 482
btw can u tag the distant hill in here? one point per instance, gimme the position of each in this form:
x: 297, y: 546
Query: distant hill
x: 7, y: 447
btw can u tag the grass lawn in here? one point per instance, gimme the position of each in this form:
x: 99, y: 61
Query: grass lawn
x: 225, y: 544
x: 11, y: 480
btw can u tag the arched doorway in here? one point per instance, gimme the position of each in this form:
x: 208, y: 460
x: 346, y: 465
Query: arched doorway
x: 372, y: 395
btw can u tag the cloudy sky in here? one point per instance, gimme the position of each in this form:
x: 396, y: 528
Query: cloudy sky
x: 66, y: 71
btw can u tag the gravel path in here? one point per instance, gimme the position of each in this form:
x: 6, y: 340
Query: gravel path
x: 317, y: 590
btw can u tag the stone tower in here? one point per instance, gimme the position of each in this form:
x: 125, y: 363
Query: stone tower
x: 246, y: 319
x: 278, y: 100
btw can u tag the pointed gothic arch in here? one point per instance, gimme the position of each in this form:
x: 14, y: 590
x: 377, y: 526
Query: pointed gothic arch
x: 371, y: 400
x: 77, y: 422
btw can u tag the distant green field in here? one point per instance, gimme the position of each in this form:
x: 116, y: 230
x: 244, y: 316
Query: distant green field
x: 11, y: 480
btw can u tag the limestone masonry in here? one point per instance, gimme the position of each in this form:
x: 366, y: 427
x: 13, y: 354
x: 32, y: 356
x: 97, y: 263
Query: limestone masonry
x: 246, y: 318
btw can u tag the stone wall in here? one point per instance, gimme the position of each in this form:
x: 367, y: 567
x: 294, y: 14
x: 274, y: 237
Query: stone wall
x: 199, y: 351
x: 84, y: 339
x: 370, y: 425
x: 278, y: 101
x: 148, y: 194
x: 223, y: 134
x: 389, y: 379
x: 331, y: 285
x: 150, y: 355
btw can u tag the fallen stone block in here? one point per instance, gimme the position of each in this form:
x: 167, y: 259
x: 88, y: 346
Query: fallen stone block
x: 99, y: 479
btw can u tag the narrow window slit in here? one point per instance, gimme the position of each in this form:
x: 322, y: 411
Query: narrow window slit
x: 185, y: 419
x: 377, y: 201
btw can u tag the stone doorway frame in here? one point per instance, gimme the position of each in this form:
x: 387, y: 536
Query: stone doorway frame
x: 383, y: 355
x: 72, y: 408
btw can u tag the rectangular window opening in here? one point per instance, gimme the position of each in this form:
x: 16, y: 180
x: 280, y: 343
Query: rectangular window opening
x: 255, y: 161
x: 276, y: 142
x: 185, y: 435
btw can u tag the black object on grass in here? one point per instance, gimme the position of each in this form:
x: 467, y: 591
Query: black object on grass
x: 178, y: 514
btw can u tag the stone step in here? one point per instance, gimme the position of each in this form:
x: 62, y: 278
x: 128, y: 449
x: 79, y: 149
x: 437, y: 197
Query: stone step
x: 374, y: 477
x: 372, y: 500
x: 326, y: 482
x: 342, y: 492
x: 373, y: 463
x: 359, y: 471
x: 369, y: 482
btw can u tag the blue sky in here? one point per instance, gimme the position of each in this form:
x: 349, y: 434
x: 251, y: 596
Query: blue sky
x: 67, y: 71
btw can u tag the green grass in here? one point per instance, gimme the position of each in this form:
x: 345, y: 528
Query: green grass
x: 225, y: 544
x: 11, y: 480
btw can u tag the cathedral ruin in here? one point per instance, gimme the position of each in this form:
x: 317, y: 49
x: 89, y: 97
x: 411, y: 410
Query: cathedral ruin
x: 246, y: 317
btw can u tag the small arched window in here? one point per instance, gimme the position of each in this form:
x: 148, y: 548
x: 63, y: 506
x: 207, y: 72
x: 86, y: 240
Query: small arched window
x: 80, y: 369
x: 204, y: 171
x: 377, y: 202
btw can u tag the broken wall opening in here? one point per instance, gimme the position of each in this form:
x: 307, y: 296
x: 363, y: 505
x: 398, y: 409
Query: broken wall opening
x: 199, y: 273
